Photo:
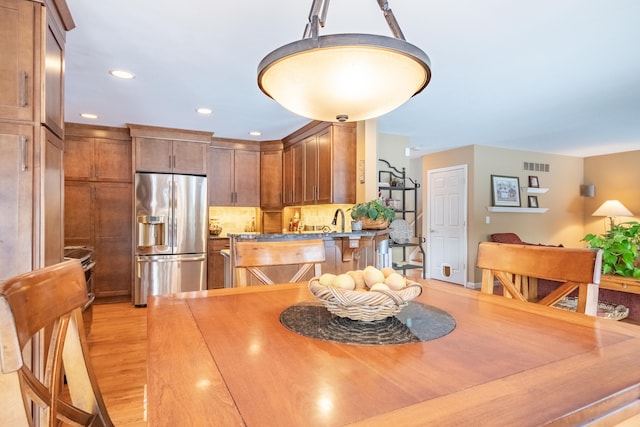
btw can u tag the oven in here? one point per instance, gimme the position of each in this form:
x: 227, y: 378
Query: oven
x: 85, y: 255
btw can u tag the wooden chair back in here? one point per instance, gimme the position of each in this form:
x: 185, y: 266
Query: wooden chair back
x: 515, y: 265
x: 43, y: 303
x: 251, y: 255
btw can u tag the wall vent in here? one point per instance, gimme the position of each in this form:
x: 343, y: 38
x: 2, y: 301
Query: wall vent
x: 536, y: 167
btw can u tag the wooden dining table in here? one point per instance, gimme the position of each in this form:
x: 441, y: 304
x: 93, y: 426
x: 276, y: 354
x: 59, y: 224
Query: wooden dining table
x: 223, y: 358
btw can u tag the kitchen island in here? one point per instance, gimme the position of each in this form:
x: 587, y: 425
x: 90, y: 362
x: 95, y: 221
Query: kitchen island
x: 222, y: 357
x: 344, y: 251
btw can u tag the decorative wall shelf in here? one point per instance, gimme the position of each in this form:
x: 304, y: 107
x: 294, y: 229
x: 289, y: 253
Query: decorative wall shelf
x: 537, y: 190
x: 516, y: 210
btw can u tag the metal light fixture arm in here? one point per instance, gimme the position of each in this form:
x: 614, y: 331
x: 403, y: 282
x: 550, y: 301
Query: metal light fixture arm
x: 317, y: 18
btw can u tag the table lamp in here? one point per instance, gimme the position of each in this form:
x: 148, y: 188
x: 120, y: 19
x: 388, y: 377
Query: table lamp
x: 612, y: 209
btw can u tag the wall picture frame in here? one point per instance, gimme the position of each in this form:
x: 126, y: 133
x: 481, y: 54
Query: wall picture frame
x: 533, y: 201
x: 505, y: 190
x: 533, y: 182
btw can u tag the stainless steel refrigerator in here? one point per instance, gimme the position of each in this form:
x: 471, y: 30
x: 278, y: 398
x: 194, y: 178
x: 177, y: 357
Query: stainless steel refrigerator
x: 170, y: 234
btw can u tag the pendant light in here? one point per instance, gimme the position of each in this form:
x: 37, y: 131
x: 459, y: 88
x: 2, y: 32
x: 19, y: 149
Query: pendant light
x: 344, y: 77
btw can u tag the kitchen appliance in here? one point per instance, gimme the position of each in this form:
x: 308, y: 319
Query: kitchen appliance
x: 171, y: 233
x: 84, y: 254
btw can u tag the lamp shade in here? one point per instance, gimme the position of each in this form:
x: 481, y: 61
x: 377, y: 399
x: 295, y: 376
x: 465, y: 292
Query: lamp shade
x: 612, y: 208
x: 344, y: 77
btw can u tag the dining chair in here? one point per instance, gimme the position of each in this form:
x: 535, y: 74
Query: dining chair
x: 40, y: 311
x: 251, y: 255
x: 574, y: 268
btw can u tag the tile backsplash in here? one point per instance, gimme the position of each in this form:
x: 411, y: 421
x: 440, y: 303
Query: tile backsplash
x: 238, y: 220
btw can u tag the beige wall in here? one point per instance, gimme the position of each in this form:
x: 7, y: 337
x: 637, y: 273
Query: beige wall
x: 563, y: 223
x: 615, y: 176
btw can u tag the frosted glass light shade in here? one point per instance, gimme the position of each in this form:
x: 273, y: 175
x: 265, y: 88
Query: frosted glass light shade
x: 344, y: 77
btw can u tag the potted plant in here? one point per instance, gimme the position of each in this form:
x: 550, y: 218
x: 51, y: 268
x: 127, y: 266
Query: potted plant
x: 373, y: 214
x: 620, y: 248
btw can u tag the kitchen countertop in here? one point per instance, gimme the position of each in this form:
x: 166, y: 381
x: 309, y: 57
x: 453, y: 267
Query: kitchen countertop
x: 306, y: 235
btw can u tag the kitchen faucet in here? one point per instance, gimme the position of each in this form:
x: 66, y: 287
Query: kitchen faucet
x: 335, y: 218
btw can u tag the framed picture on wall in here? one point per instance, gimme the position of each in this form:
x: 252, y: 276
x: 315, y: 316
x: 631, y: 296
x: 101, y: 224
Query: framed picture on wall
x: 505, y: 190
x: 533, y: 182
x: 533, y: 201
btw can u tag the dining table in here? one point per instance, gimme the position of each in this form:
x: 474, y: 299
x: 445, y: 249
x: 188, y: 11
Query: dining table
x: 273, y: 356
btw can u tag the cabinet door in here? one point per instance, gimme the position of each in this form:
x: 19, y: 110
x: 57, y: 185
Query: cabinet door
x: 287, y: 176
x: 324, y: 168
x: 16, y: 192
x: 53, y: 198
x: 78, y: 158
x: 17, y: 72
x: 310, y: 170
x: 112, y: 160
x: 343, y: 164
x: 247, y: 178
x: 53, y: 114
x: 190, y: 157
x: 220, y: 177
x: 153, y: 155
x: 78, y: 213
x: 112, y: 239
x: 271, y: 179
x: 298, y: 174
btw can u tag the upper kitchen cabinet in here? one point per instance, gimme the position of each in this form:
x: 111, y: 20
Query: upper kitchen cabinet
x: 97, y: 153
x: 292, y: 170
x: 323, y: 163
x: 271, y: 158
x: 31, y: 76
x: 32, y: 52
x: 170, y: 150
x: 234, y: 174
x: 53, y: 104
x: 19, y: 44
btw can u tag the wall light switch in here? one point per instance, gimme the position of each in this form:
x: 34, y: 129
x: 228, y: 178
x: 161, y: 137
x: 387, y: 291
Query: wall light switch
x: 487, y: 219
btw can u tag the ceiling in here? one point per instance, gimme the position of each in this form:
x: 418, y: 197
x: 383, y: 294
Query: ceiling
x: 554, y: 76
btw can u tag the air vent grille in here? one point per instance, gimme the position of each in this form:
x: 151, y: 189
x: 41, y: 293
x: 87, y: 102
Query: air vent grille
x: 536, y: 167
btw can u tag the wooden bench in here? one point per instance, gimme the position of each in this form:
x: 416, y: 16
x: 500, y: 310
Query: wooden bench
x: 514, y: 266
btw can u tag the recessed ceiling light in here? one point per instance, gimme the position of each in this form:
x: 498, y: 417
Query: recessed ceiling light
x: 204, y: 110
x: 121, y: 74
x: 255, y: 133
x: 89, y: 116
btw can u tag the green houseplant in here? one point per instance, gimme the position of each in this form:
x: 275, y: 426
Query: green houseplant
x: 372, y: 212
x: 620, y: 247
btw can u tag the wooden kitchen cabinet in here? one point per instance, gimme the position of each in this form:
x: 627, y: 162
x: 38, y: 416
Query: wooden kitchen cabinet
x: 16, y: 193
x: 168, y: 150
x: 98, y: 214
x: 234, y: 177
x: 164, y: 155
x: 293, y: 178
x: 323, y: 164
x: 98, y: 203
x: 215, y: 263
x: 31, y: 76
x: 19, y: 45
x: 97, y: 153
x: 271, y: 179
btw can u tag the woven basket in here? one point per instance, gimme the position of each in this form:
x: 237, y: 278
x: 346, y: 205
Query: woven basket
x: 364, y: 305
x: 371, y: 224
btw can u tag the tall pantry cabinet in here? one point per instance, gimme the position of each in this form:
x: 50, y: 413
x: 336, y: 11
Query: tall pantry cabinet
x: 32, y: 38
x: 98, y: 204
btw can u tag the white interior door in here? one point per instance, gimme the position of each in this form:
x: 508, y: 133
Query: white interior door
x: 447, y: 224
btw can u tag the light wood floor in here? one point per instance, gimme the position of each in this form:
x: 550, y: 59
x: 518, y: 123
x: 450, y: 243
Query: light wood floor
x: 118, y: 348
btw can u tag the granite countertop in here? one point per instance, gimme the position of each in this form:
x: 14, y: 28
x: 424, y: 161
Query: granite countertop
x: 307, y: 235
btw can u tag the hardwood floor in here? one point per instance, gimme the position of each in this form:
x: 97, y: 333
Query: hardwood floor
x: 118, y: 348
